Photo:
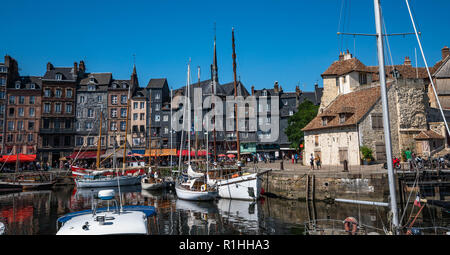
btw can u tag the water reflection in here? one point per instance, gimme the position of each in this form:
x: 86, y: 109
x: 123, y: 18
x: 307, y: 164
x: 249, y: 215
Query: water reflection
x: 35, y: 213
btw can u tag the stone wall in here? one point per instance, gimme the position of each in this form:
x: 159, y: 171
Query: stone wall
x: 330, y: 91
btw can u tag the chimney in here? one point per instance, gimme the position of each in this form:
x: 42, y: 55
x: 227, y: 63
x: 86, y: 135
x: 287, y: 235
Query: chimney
x: 341, y: 56
x: 445, y: 52
x: 49, y: 66
x: 275, y: 87
x: 297, y: 90
x: 82, y: 66
x: 347, y: 55
x: 75, y: 67
x: 253, y: 90
x: 407, y: 61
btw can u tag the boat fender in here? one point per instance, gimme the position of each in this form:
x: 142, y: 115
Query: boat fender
x: 203, y: 187
x: 351, y: 225
x: 86, y: 226
x: 234, y: 176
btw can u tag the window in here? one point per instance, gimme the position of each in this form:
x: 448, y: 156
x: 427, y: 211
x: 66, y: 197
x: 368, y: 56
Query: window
x: 114, y: 113
x: 19, y: 138
x: 68, y: 93
x: 47, y: 92
x: 362, y: 78
x: 30, y: 125
x: 2, y: 95
x: 30, y: 137
x: 21, y: 99
x: 58, y: 108
x: 338, y: 81
x: 99, y: 99
x: 341, y: 118
x: 68, y: 108
x: 267, y: 120
x: 157, y: 95
x: 123, y: 112
x: 142, y: 105
x: 135, y: 116
x: 377, y: 120
x: 157, y: 107
x: 113, y: 99
x: 91, y: 87
x: 123, y: 126
x: 46, y: 123
x: 90, y: 113
x: 316, y: 140
x: 291, y: 113
x: 142, y: 128
x: 20, y: 125
x: 9, y: 138
x: 135, y: 105
x: 80, y: 141
x: 166, y: 130
x: 2, y: 81
x: 67, y: 141
x: 32, y: 100
x: 11, y: 111
x: 135, y: 129
x: 47, y: 108
x: 90, y: 141
x: 31, y: 112
x: 264, y: 93
x: 58, y: 76
x: 18, y: 85
x: 82, y: 99
x: 21, y: 112
x: 68, y: 124
x: 10, y: 125
x: 58, y: 93
x: 57, y: 124
x: 113, y: 126
x: 32, y: 86
x: 166, y: 118
x: 12, y: 99
x: 142, y: 116
x: 324, y: 121
x: 123, y: 99
x: 136, y: 141
x: 157, y: 117
x: 88, y: 125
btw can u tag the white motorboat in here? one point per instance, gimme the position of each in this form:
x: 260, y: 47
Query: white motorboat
x: 110, y: 220
x: 246, y: 186
x: 195, y: 189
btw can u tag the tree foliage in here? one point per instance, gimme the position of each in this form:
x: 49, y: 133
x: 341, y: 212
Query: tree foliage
x: 305, y: 113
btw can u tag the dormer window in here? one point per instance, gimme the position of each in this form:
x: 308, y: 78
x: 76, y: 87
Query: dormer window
x: 114, y: 85
x: 362, y: 78
x: 18, y: 85
x: 58, y: 76
x: 124, y: 85
x: 324, y: 121
x: 91, y: 88
x: 264, y: 93
x: 32, y: 86
x: 92, y: 80
x: 341, y: 118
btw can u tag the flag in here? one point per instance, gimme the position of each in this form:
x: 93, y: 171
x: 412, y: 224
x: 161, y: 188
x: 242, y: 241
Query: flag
x: 417, y: 201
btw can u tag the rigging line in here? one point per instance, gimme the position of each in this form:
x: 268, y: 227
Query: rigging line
x: 339, y: 26
x: 426, y: 65
x: 388, y: 46
x: 409, y: 196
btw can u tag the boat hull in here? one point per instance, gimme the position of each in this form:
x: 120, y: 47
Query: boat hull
x: 195, y: 195
x: 107, y: 182
x: 152, y: 186
x: 245, y: 187
x: 26, y: 185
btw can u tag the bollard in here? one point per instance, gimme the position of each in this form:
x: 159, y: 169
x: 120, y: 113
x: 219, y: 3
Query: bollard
x: 345, y: 166
x: 281, y: 165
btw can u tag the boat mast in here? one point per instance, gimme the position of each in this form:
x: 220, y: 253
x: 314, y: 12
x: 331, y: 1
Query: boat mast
x: 126, y: 130
x: 99, y: 141
x: 171, y: 146
x: 195, y: 118
x: 189, y: 113
x: 213, y: 91
x: 235, y: 104
x: 150, y: 130
x: 386, y: 122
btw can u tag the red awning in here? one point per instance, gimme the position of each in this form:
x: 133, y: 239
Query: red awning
x: 22, y: 158
x: 85, y: 154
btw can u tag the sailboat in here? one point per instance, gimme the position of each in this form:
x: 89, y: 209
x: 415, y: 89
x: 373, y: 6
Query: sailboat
x: 101, y: 178
x: 195, y: 187
x: 234, y: 183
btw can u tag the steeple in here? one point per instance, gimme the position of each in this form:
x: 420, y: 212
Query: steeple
x: 215, y: 69
x: 134, y: 78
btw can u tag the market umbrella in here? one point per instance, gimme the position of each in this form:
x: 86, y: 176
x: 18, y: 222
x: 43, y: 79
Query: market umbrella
x: 222, y: 155
x: 231, y: 155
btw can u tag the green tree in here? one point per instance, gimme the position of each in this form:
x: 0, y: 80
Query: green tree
x: 305, y: 113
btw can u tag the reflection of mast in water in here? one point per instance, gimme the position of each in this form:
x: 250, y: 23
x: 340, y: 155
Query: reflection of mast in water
x: 242, y: 214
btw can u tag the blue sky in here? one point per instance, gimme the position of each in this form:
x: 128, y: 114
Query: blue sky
x: 288, y: 41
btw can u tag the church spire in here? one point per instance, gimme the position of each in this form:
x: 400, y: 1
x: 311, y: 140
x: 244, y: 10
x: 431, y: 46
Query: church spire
x: 215, y: 69
x: 134, y: 78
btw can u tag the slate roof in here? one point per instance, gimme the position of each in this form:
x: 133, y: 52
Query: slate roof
x: 67, y: 73
x: 356, y: 104
x: 26, y: 81
x: 443, y: 70
x: 99, y: 78
x: 157, y: 83
x: 119, y: 84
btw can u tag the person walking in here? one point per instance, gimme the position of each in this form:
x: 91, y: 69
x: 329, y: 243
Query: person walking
x: 311, y: 161
x: 408, y: 155
x: 318, y: 161
x: 296, y: 158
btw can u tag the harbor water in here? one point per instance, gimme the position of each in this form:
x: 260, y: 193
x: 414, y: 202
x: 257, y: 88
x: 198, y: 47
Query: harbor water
x: 36, y: 212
